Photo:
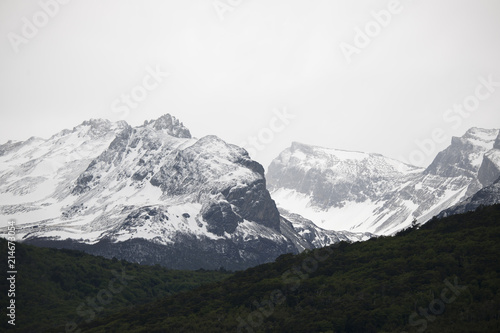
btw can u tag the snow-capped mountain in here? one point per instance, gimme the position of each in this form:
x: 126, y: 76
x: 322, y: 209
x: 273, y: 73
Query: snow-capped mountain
x: 487, y: 196
x: 490, y: 193
x: 466, y: 156
x: 151, y: 194
x: 361, y: 192
x: 36, y: 173
x: 311, y: 236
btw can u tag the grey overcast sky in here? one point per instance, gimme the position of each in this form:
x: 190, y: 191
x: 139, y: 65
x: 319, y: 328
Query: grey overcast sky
x: 374, y: 76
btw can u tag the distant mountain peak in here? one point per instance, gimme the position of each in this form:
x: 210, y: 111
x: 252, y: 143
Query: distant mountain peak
x: 320, y: 158
x: 312, y: 148
x: 356, y: 191
x: 96, y: 122
x: 93, y: 129
x: 147, y: 193
x: 171, y: 125
x: 465, y: 154
x: 481, y: 137
x: 480, y: 132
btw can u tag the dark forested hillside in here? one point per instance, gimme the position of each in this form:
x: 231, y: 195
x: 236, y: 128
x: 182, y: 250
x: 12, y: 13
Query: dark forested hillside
x: 61, y: 289
x: 443, y: 277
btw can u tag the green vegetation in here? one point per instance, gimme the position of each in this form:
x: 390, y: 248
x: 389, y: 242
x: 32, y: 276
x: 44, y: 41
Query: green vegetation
x: 443, y: 277
x: 57, y: 287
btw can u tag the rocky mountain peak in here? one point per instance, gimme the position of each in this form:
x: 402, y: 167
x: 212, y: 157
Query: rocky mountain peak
x: 300, y: 146
x: 465, y: 154
x: 355, y: 191
x: 171, y: 125
x: 93, y: 129
x: 480, y: 134
x: 326, y: 177
x: 96, y: 122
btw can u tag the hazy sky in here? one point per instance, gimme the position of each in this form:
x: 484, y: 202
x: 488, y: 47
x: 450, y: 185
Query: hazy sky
x: 373, y: 76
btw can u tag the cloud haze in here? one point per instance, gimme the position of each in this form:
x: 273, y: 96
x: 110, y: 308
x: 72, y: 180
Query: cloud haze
x: 233, y: 64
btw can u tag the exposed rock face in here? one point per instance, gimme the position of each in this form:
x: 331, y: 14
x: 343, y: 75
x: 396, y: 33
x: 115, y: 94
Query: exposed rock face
x: 490, y: 167
x: 490, y: 195
x: 313, y: 237
x: 172, y: 126
x: 497, y: 142
x: 362, y: 192
x: 464, y: 155
x: 334, y: 177
x: 151, y: 194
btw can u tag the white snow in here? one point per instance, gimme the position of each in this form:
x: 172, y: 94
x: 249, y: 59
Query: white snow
x: 352, y: 216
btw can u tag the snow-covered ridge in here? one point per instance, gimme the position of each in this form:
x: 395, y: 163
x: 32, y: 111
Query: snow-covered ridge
x: 363, y: 192
x: 103, y: 167
x: 489, y: 195
x: 308, y: 156
x: 109, y: 188
x: 465, y: 154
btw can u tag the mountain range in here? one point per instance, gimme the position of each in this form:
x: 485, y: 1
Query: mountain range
x: 154, y: 194
x: 149, y: 194
x: 355, y: 191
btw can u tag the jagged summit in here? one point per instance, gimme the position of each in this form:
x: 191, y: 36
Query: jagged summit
x: 149, y: 193
x: 96, y: 122
x: 153, y: 194
x: 332, y: 176
x: 480, y: 134
x: 171, y: 125
x: 465, y: 154
x: 344, y: 190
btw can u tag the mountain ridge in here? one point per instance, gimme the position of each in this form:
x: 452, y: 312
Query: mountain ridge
x: 149, y: 194
x: 154, y: 194
x: 355, y: 191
